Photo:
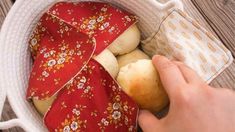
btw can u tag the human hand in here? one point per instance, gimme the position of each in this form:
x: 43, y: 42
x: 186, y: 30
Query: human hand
x: 194, y: 105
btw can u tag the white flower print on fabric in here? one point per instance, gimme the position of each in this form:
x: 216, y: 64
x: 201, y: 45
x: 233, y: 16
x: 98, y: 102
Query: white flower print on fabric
x: 116, y: 115
x: 92, y: 22
x: 111, y: 29
x: 61, y: 61
x: 66, y: 129
x: 51, y: 62
x: 104, y: 9
x: 80, y: 85
x: 52, y: 52
x: 128, y: 18
x: 46, y: 55
x: 62, y: 55
x: 34, y: 41
x: 76, y: 112
x: 42, y: 50
x: 91, y: 27
x: 104, y: 26
x: 45, y: 74
x: 74, y: 125
x: 83, y: 79
x: 100, y: 18
x: 116, y: 106
x: 88, y: 88
x: 105, y: 122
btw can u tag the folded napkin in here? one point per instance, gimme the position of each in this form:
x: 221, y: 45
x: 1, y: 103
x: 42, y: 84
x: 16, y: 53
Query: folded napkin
x: 63, y: 43
x: 181, y: 38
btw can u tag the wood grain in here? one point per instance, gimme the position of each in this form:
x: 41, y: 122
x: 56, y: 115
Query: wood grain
x: 227, y: 78
x: 5, y: 6
x: 217, y: 16
x: 8, y: 114
x: 195, y: 14
x: 220, y: 15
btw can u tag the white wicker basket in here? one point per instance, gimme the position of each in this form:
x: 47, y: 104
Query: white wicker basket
x: 15, y: 57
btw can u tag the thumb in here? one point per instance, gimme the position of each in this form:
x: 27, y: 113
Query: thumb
x: 148, y: 122
x: 170, y: 75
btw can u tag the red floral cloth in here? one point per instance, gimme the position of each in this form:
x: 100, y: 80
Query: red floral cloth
x: 63, y: 43
x: 93, y: 101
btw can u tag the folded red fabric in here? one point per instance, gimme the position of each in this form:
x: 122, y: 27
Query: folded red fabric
x: 63, y: 43
x: 93, y: 101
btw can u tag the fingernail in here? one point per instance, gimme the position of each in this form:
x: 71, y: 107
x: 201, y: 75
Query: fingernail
x: 155, y: 57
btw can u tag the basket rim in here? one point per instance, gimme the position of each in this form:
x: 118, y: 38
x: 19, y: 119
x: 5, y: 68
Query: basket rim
x: 6, y: 34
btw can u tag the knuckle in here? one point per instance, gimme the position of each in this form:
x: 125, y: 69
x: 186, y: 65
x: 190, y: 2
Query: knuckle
x: 185, y: 97
x: 178, y: 63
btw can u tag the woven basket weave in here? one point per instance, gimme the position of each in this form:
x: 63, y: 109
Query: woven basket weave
x: 15, y: 56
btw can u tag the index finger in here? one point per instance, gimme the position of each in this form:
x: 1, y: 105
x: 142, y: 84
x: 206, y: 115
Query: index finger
x: 170, y: 75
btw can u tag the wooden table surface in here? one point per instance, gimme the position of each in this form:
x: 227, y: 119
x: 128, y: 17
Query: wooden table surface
x: 217, y: 16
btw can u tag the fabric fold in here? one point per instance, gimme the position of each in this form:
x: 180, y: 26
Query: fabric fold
x: 65, y: 39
